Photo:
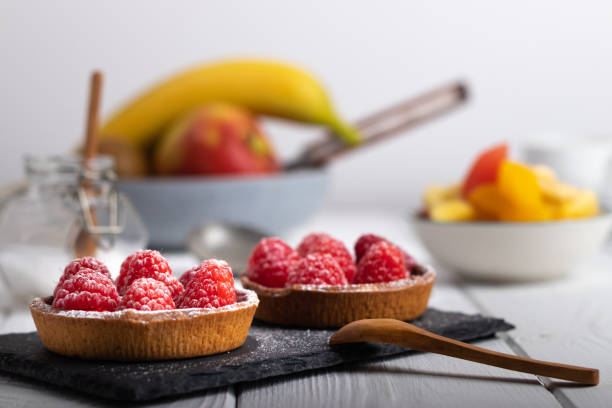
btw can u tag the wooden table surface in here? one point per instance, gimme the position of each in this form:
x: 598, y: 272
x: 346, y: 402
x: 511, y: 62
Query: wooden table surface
x: 567, y: 321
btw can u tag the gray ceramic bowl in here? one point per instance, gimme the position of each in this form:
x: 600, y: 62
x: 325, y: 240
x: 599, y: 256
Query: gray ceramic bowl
x: 173, y: 207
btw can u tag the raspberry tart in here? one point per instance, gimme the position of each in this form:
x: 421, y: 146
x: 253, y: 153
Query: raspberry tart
x: 146, y: 313
x: 319, y: 285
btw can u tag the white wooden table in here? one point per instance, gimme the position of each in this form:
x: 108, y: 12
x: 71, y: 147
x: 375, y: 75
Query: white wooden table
x: 567, y: 321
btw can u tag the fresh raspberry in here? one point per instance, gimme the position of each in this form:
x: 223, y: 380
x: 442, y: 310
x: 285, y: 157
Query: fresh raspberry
x: 409, y: 262
x: 317, y: 269
x: 187, y: 275
x: 126, y: 264
x: 384, y: 262
x: 86, y: 290
x: 212, y: 285
x: 270, y: 262
x: 325, y: 244
x: 147, y: 294
x: 365, y: 242
x: 147, y: 264
x: 76, y: 265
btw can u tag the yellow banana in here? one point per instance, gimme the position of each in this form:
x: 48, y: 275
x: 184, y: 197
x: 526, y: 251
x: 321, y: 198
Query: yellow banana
x: 262, y: 86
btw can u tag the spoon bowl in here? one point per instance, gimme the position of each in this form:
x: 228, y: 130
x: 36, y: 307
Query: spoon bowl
x: 233, y: 243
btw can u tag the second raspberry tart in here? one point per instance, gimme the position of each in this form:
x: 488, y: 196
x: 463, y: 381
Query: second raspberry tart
x: 322, y: 289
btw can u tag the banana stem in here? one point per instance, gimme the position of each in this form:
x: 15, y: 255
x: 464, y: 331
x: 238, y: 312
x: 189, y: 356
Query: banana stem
x: 347, y: 133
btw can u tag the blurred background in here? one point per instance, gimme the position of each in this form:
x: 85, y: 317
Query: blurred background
x: 531, y: 66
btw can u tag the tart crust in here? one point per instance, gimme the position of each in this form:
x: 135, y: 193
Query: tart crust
x: 335, y: 306
x: 131, y: 335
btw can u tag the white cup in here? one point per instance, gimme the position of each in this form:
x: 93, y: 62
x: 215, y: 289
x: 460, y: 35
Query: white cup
x: 578, y: 160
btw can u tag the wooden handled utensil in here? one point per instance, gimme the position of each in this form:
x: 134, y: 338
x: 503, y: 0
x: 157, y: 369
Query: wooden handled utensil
x: 391, y: 331
x: 388, y: 122
x: 85, y: 245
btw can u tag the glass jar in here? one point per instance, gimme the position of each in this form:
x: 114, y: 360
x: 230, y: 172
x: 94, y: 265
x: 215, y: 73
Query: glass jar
x: 68, y: 210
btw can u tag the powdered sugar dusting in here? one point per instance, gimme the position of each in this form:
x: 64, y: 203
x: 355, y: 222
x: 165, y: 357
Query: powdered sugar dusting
x: 316, y: 269
x: 244, y: 299
x: 427, y: 275
x: 326, y: 244
x: 219, y: 262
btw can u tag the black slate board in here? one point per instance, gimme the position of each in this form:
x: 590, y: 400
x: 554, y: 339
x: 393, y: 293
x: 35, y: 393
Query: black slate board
x: 268, y: 351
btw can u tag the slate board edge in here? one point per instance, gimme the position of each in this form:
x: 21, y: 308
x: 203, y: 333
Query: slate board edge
x: 331, y: 358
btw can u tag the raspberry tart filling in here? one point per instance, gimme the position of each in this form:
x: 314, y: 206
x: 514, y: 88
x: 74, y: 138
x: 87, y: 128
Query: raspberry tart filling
x: 385, y: 282
x: 147, y: 314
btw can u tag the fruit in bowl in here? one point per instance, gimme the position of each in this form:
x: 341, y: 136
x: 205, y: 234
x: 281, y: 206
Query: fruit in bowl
x: 201, y: 127
x: 321, y: 285
x: 497, y: 188
x: 509, y: 221
x: 244, y: 87
x: 215, y: 139
x: 146, y: 313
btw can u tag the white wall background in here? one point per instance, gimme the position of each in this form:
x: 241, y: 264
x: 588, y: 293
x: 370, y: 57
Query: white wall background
x: 531, y: 65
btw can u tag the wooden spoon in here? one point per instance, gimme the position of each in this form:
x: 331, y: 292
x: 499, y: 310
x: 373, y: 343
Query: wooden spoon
x: 85, y: 244
x: 391, y: 331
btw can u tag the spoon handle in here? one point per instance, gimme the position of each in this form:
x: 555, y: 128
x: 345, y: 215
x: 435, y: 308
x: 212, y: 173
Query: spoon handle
x: 396, y: 332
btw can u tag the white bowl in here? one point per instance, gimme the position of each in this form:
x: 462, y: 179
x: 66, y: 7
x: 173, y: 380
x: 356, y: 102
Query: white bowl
x: 503, y: 251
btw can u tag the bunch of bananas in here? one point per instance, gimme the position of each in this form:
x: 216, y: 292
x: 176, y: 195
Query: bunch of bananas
x: 263, y: 87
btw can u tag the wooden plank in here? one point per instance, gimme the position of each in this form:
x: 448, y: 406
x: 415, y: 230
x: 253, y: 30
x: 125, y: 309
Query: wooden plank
x: 423, y: 380
x: 567, y: 321
x: 20, y: 392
